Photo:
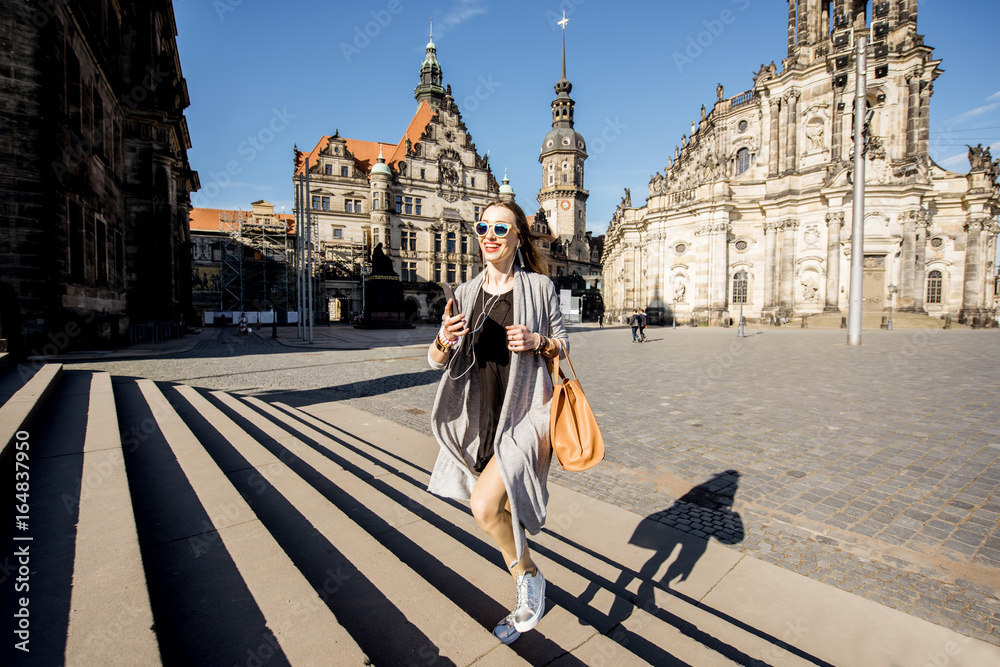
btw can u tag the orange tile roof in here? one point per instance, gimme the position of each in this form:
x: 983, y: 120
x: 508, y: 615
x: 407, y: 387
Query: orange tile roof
x: 366, y: 152
x: 413, y: 132
x: 210, y: 219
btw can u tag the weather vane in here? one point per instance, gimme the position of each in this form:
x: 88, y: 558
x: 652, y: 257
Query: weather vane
x: 564, y: 20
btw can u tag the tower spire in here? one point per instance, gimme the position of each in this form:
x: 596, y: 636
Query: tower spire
x: 430, y: 87
x: 563, y: 23
x: 562, y: 106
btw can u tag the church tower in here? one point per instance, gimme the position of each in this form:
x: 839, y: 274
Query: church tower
x: 563, y: 153
x: 430, y: 87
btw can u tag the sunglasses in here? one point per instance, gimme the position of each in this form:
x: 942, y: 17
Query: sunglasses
x: 499, y: 228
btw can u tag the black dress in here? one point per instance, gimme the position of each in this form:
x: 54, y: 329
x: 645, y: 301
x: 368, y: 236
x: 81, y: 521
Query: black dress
x: 493, y: 362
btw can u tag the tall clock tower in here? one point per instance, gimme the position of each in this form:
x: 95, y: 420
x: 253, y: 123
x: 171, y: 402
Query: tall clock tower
x: 563, y: 154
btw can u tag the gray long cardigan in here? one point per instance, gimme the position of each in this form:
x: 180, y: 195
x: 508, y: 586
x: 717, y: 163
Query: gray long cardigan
x: 522, y: 446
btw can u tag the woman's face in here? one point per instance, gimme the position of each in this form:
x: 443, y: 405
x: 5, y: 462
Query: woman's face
x: 498, y: 250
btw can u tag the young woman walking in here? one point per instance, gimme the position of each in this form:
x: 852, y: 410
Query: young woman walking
x: 491, y: 412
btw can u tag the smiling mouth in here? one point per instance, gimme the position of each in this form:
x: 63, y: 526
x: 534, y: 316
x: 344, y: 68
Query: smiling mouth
x: 491, y: 247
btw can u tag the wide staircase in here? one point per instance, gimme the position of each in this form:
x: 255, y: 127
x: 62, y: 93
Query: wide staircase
x: 168, y: 524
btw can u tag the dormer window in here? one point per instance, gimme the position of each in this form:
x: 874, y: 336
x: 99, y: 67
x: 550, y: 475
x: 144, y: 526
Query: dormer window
x: 343, y: 172
x: 329, y: 170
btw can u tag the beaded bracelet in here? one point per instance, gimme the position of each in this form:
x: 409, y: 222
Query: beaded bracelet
x: 541, y: 341
x: 445, y: 340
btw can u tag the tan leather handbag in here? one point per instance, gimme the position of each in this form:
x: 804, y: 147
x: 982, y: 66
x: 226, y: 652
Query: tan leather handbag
x: 573, y: 431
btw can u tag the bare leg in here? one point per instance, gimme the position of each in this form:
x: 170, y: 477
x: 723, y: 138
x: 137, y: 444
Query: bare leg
x: 490, y: 507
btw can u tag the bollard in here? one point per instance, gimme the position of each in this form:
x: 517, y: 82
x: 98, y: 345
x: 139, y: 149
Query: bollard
x: 843, y: 321
x: 804, y: 325
x: 947, y: 321
x: 885, y: 320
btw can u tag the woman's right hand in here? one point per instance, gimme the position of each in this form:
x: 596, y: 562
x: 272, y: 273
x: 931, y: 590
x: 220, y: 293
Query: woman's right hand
x: 454, y: 326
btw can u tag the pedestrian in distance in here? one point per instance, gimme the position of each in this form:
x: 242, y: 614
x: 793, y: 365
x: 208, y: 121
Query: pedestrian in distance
x: 600, y: 319
x: 491, y: 411
x: 643, y: 322
x: 633, y: 322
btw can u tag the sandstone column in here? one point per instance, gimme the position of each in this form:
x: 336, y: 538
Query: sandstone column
x: 920, y: 261
x: 773, y: 154
x: 791, y: 26
x: 924, y: 121
x: 791, y: 129
x: 907, y: 259
x: 770, y: 247
x: 787, y: 276
x: 912, y: 111
x: 838, y: 125
x: 720, y: 241
x: 834, y: 222
x: 970, y: 294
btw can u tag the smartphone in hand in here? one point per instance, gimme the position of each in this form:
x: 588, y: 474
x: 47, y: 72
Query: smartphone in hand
x: 449, y: 293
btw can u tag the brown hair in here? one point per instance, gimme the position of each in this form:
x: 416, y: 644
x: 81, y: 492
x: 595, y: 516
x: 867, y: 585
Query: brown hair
x: 533, y: 258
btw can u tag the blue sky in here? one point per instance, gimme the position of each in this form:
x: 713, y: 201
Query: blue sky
x: 264, y: 76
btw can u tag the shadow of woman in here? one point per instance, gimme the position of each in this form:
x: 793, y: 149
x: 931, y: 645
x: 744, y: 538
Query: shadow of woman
x: 703, y: 513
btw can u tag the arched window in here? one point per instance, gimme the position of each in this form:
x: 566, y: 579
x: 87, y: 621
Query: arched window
x: 740, y: 287
x: 742, y: 160
x: 934, y: 282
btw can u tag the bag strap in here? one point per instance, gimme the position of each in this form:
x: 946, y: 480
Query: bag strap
x: 557, y: 372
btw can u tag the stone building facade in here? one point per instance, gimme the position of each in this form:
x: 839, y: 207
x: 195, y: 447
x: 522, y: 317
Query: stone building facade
x: 418, y: 198
x: 421, y: 197
x: 94, y: 176
x: 754, y: 209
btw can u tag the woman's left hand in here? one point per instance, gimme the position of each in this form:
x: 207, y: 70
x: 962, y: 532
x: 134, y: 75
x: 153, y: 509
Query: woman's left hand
x: 520, y: 338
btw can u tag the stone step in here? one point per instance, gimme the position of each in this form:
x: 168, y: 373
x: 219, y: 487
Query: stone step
x: 587, y: 603
x: 25, y: 402
x: 425, y: 624
x: 296, y: 622
x: 110, y: 613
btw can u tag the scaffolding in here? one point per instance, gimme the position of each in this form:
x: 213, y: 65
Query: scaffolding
x: 255, y: 262
x: 231, y: 271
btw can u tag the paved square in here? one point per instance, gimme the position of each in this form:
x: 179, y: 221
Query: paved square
x: 872, y: 468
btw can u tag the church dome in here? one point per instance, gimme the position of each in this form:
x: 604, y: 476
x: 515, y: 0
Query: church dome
x: 563, y: 139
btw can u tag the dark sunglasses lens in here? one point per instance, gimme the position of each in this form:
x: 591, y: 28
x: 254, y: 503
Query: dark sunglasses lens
x: 482, y: 228
x: 500, y: 229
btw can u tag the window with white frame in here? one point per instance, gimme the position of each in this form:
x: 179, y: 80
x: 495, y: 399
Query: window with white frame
x: 742, y: 160
x: 935, y: 283
x: 740, y: 287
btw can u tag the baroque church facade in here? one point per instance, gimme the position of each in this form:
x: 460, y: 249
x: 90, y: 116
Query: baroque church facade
x: 420, y: 199
x: 754, y: 209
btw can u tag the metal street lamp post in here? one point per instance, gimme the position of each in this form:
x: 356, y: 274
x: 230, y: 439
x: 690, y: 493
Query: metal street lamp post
x: 892, y: 292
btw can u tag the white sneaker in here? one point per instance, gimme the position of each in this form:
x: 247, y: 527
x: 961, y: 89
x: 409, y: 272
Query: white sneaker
x: 505, y: 630
x: 530, y: 601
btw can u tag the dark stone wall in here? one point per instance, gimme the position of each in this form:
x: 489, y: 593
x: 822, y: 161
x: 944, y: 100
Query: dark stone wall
x: 94, y: 177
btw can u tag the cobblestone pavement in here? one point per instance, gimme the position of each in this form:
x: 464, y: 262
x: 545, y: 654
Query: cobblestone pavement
x: 872, y: 468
